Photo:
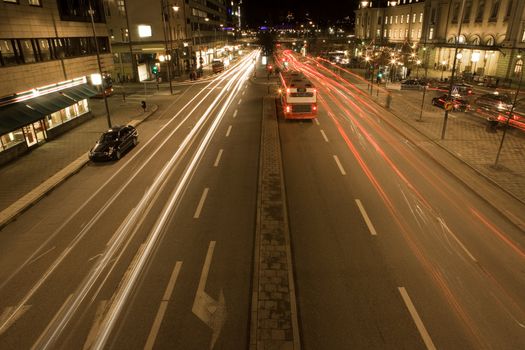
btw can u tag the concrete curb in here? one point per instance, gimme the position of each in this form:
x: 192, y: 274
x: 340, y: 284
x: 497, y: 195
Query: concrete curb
x: 14, y: 210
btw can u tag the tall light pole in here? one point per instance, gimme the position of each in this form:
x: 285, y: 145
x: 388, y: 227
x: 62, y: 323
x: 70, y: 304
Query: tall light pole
x: 91, y: 13
x: 166, y: 18
x: 509, y: 116
x: 456, y: 44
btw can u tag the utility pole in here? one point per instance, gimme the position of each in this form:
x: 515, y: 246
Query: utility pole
x: 91, y: 12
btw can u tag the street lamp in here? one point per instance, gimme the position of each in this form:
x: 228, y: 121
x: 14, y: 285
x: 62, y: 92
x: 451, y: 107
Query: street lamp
x: 166, y: 26
x: 475, y: 59
x: 509, y: 116
x: 91, y: 13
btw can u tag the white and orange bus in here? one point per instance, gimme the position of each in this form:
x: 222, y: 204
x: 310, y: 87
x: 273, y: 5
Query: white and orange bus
x: 298, y: 96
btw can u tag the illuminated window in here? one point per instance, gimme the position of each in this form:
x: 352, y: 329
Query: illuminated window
x: 421, y: 17
x: 431, y: 34
x: 518, y: 67
x: 35, y: 3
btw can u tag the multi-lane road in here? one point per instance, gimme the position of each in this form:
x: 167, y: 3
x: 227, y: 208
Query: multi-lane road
x: 156, y: 251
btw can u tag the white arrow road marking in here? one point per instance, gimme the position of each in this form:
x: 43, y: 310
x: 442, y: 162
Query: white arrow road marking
x: 7, y: 319
x: 208, y: 310
x: 96, y: 324
x: 163, y: 306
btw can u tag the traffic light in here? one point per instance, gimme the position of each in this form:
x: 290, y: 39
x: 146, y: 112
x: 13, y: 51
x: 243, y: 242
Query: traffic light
x: 380, y: 75
x: 155, y: 69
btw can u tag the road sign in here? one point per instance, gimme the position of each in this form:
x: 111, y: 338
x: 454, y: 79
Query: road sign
x: 449, y: 106
x: 455, y: 91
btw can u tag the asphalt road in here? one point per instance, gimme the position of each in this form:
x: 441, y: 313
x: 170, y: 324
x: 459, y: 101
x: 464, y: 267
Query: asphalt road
x: 391, y: 251
x: 124, y: 251
x: 155, y: 251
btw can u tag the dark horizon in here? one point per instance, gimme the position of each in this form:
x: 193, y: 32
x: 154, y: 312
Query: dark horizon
x: 272, y: 12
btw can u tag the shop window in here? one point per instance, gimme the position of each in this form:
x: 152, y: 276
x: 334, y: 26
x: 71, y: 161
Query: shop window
x: 12, y: 139
x: 518, y: 67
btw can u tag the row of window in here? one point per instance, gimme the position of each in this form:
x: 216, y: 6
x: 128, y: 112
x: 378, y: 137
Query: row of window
x: 398, y: 34
x: 480, y: 10
x: 21, y: 51
x: 393, y: 19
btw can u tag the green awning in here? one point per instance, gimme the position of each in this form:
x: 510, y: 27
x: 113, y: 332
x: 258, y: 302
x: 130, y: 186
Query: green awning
x: 79, y: 92
x: 49, y: 103
x: 16, y: 115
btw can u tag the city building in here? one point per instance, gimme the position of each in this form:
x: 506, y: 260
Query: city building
x: 489, y: 34
x: 164, y: 38
x: 48, y: 63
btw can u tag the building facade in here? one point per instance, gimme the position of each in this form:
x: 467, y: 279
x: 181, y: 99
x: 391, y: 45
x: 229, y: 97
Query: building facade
x: 47, y: 56
x: 165, y: 37
x: 489, y: 34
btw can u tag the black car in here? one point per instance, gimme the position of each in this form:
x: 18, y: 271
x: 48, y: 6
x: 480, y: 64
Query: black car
x: 458, y: 104
x: 113, y: 143
x: 413, y: 84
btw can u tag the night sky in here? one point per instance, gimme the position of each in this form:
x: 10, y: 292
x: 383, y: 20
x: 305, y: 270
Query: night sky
x: 274, y: 11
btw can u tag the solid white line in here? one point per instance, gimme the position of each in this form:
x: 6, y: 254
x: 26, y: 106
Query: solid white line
x: 317, y: 121
x: 339, y: 165
x: 417, y: 320
x: 235, y: 113
x: 162, y: 308
x: 201, y: 203
x: 324, y: 135
x: 368, y: 222
x: 218, y: 159
x: 239, y: 101
x: 228, y: 131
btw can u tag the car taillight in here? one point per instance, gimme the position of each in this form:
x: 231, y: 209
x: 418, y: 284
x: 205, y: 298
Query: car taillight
x: 314, y: 107
x: 287, y: 109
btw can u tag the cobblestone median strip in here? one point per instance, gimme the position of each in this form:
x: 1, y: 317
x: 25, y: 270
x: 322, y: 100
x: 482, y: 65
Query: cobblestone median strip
x: 274, y: 323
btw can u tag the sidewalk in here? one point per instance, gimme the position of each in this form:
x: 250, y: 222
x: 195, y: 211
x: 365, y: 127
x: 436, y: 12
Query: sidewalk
x: 466, y: 138
x: 28, y: 178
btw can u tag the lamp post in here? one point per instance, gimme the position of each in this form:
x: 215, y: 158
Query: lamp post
x: 509, y: 116
x: 167, y: 33
x: 418, y: 63
x: 456, y: 43
x: 91, y: 13
x: 443, y: 63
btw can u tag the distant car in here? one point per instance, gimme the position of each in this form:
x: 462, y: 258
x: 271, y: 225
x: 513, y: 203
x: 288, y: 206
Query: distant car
x: 458, y: 104
x: 495, y: 102
x: 413, y: 84
x: 113, y: 143
x: 217, y: 66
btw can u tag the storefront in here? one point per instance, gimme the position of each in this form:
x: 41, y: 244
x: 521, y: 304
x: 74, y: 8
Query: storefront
x: 31, y: 118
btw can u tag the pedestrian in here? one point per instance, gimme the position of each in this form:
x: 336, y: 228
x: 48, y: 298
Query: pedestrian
x: 143, y: 105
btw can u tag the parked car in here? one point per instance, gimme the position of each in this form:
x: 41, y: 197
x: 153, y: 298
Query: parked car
x: 458, y: 104
x: 113, y: 143
x: 413, y: 84
x: 217, y: 66
x: 495, y: 102
x: 460, y: 89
